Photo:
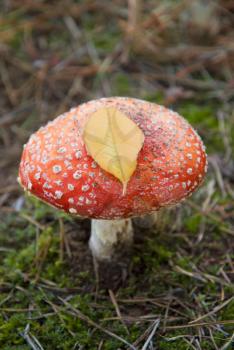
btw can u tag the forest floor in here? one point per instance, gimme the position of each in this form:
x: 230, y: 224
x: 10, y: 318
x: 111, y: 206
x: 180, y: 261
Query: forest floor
x: 178, y: 290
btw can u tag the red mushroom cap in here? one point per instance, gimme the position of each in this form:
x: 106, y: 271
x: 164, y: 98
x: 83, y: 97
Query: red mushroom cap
x: 56, y: 167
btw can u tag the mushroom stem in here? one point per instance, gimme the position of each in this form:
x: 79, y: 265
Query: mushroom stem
x: 110, y: 237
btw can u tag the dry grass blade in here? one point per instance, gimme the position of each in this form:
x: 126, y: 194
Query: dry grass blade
x: 190, y: 343
x: 216, y: 309
x: 200, y: 324
x: 212, y: 339
x: 229, y: 342
x: 31, y: 340
x: 116, y: 306
x: 14, y: 310
x: 8, y: 297
x: 149, y: 339
x: 94, y: 324
x: 32, y: 221
x: 56, y: 310
x: 212, y: 217
x: 16, y: 115
x: 144, y: 335
x: 190, y: 274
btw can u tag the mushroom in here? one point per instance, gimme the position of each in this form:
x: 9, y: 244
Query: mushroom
x: 59, y: 166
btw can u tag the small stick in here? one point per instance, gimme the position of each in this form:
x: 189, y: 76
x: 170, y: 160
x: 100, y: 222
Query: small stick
x: 116, y: 306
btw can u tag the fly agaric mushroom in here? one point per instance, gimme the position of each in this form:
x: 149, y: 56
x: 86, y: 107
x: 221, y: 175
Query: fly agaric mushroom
x: 112, y: 159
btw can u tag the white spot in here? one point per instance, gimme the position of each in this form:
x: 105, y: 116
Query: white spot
x: 58, y: 194
x: 48, y: 135
x: 58, y: 182
x: 29, y: 185
x: 74, y: 144
x: 189, y: 171
x: 62, y: 150
x: 70, y: 187
x: 78, y: 154
x: 188, y: 144
x: 88, y: 201
x: 189, y: 182
x: 44, y: 160
x: 93, y: 165
x: 81, y: 199
x: 67, y: 163
x: 57, y: 169
x: 71, y: 200
x: 69, y: 156
x: 189, y: 155
x: 72, y: 210
x: 37, y: 176
x: 85, y: 188
x: 184, y: 184
x: 77, y: 175
x: 47, y: 185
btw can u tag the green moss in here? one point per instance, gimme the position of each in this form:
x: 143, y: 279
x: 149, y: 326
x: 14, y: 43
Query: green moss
x: 121, y: 84
x: 204, y: 119
x: 156, y: 97
x: 157, y: 253
x: 13, y: 27
x: 193, y: 222
x: 104, y: 38
x: 228, y: 312
x: 197, y: 114
x: 9, y: 331
x: 175, y: 345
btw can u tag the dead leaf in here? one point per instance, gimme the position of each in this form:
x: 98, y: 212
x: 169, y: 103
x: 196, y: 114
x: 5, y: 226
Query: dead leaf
x: 114, y: 141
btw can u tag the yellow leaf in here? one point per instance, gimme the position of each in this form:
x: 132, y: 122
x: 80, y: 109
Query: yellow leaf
x: 114, y: 141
